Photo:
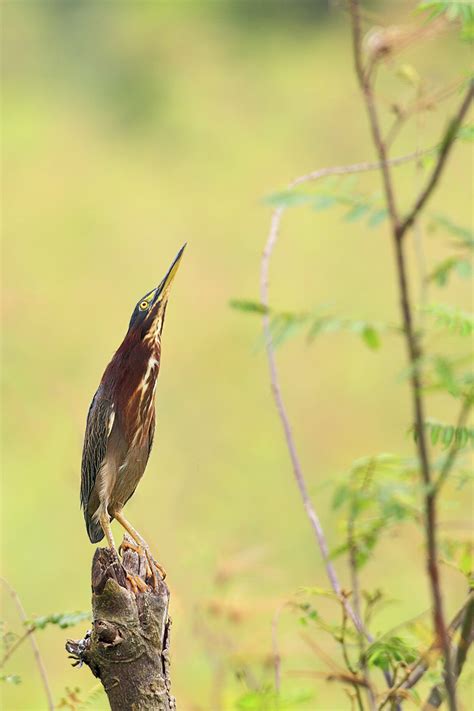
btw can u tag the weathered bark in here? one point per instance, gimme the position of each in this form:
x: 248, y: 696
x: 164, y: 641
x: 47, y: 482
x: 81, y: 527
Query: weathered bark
x: 127, y: 647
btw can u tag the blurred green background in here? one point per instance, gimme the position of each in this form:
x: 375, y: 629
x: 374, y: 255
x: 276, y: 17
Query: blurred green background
x: 128, y: 129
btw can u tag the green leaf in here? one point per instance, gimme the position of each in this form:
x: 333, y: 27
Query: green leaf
x: 63, y: 620
x: 443, y: 270
x: 452, y: 318
x: 288, y: 198
x: 248, y: 306
x: 322, y: 202
x: 464, y: 234
x: 377, y: 217
x: 10, y: 678
x: 356, y: 213
x: 390, y: 650
x: 466, y: 132
x: 434, y: 434
x: 464, y: 268
x: 448, y: 435
x: 371, y: 337
x: 341, y: 496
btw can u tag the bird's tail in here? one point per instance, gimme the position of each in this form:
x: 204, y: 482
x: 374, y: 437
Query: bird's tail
x: 94, y: 529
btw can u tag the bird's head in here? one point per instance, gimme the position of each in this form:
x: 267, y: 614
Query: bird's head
x: 149, y: 314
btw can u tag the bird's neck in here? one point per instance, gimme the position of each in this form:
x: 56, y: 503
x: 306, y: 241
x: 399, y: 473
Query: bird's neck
x: 135, y: 360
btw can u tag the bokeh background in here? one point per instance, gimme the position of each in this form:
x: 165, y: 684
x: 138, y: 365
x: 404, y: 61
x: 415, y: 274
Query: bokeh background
x: 127, y: 129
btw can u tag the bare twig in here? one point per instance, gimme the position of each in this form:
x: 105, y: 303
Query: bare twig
x: 277, y: 394
x: 31, y: 636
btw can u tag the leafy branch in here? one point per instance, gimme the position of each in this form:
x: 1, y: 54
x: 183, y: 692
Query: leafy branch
x: 399, y: 227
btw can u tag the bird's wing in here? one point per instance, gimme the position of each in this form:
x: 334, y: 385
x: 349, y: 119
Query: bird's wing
x: 151, y: 434
x: 100, y: 420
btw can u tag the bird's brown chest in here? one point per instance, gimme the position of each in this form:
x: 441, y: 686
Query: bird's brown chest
x: 135, y: 396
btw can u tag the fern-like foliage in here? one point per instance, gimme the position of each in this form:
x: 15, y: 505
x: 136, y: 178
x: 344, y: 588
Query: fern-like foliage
x: 379, y: 493
x: 447, y: 435
x: 285, y: 324
x: 336, y: 192
x: 449, y: 317
x: 61, y: 619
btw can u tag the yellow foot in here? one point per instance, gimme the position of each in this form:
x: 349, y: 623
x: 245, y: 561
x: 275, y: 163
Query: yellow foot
x: 136, y: 583
x: 151, y: 563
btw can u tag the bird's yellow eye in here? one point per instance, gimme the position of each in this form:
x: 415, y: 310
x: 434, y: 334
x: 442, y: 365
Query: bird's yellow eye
x: 143, y: 305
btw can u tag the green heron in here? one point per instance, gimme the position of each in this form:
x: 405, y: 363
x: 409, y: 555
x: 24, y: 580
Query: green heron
x: 121, y: 423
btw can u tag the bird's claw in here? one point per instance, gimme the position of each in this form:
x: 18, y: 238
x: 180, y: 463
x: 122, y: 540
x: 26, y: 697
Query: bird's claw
x: 136, y: 583
x: 150, y: 562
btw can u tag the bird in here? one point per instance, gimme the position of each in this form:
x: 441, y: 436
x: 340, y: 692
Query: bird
x: 121, y: 424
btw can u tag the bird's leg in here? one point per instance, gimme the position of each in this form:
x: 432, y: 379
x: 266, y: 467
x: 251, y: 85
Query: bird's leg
x: 135, y: 581
x: 104, y: 521
x: 151, y: 563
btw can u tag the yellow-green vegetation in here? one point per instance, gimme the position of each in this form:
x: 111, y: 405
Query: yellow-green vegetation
x: 128, y: 129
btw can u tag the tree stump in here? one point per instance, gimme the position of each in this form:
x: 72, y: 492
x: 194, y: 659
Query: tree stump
x: 127, y: 647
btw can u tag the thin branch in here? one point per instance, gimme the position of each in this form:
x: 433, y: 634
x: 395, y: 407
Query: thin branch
x: 446, y: 145
x: 30, y: 634
x: 352, y: 545
x: 17, y: 643
x: 350, y: 667
x: 365, y: 85
x: 363, y: 167
x: 418, y: 241
x: 436, y: 695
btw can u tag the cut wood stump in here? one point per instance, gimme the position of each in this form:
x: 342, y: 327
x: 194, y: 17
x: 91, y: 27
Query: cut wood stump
x: 128, y: 645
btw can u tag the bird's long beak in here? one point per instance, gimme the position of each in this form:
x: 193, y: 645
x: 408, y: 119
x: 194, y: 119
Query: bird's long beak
x: 163, y: 288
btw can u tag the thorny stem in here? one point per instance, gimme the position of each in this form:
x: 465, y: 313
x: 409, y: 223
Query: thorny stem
x: 30, y: 634
x: 399, y: 229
